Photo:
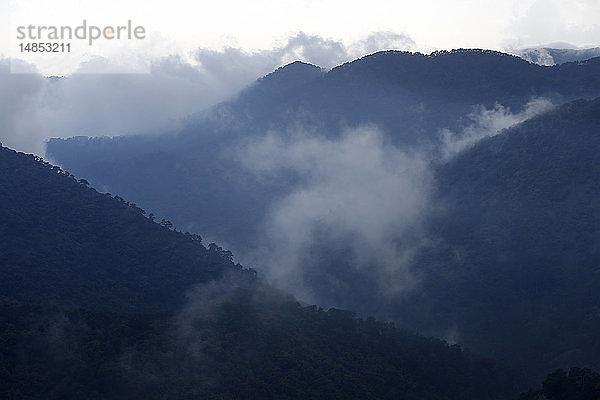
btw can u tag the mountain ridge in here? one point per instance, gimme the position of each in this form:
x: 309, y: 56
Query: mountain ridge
x: 326, y: 105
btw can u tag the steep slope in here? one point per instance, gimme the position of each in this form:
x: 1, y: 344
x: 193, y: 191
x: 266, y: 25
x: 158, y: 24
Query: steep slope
x: 65, y: 244
x: 516, y: 268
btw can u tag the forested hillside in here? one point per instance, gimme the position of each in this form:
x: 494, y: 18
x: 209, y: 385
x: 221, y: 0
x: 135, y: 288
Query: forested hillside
x: 65, y: 244
x: 516, y: 268
x: 245, y: 349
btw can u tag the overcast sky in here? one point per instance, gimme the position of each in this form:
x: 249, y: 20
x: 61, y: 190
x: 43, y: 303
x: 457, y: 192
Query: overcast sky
x: 179, y: 26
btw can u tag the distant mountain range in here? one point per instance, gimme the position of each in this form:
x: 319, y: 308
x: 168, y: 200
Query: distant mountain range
x: 508, y: 264
x: 409, y: 96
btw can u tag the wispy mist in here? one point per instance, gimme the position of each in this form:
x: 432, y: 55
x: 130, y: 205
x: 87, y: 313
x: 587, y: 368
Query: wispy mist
x: 359, y: 197
x: 485, y: 122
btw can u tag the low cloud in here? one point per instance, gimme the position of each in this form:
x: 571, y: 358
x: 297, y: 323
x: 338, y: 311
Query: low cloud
x: 19, y: 108
x: 485, y: 122
x: 347, y: 232
x: 548, y: 21
x: 354, y: 218
x: 34, y: 108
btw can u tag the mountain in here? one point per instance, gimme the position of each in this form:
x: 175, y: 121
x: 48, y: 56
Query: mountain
x: 410, y: 96
x: 515, y: 267
x: 552, y: 56
x: 92, y: 306
x: 67, y: 245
